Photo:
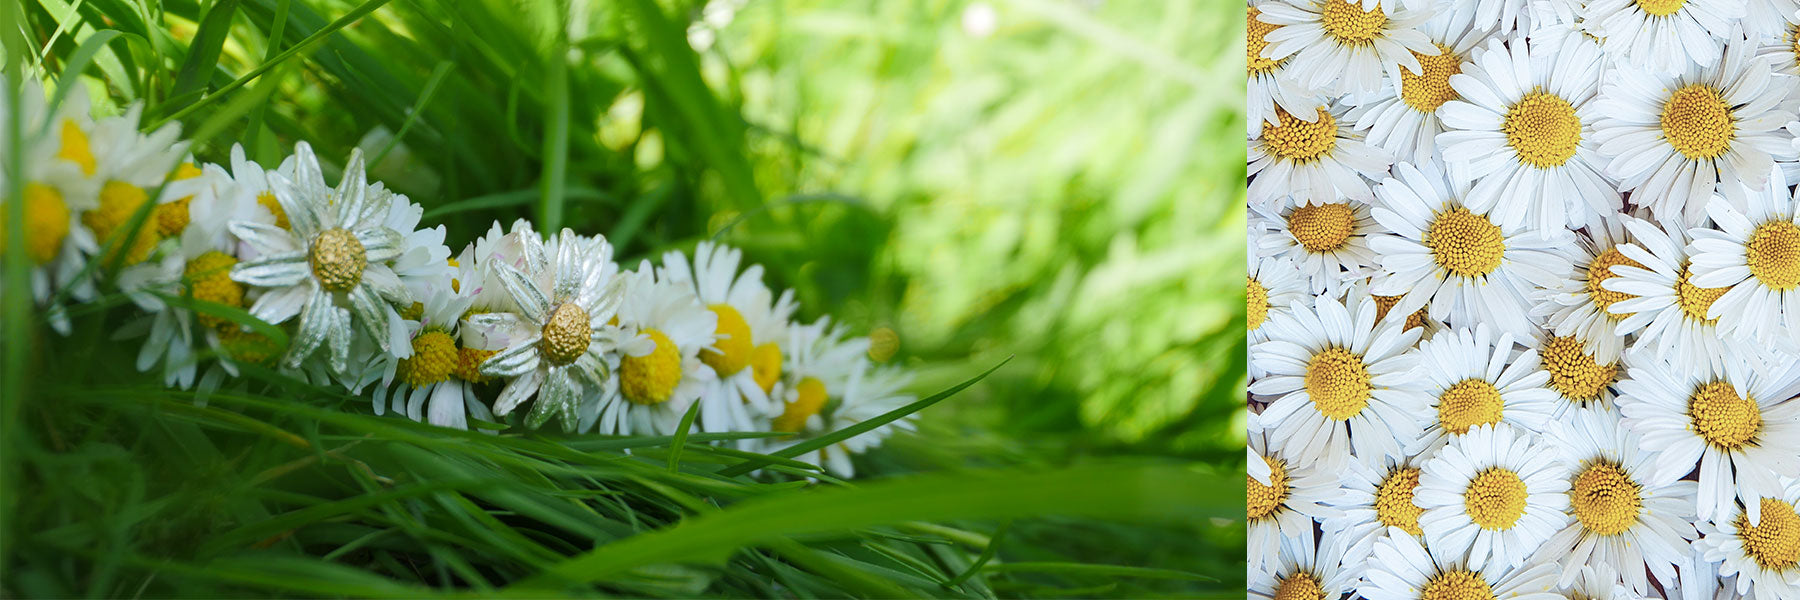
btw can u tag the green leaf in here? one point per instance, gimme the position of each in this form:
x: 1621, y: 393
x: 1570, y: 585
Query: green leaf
x: 203, y: 54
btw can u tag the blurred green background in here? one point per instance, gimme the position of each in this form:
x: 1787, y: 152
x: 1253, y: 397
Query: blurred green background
x: 1053, y: 180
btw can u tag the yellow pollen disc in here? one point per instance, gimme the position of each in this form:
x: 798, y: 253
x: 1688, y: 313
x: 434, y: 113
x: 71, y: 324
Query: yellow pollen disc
x: 1297, y: 140
x: 1495, y: 499
x: 1469, y: 403
x: 1394, y: 501
x: 1722, y: 417
x: 1605, y: 499
x: 1598, y: 272
x: 1300, y: 586
x: 209, y: 279
x: 1456, y: 585
x: 246, y: 346
x: 1349, y: 24
x: 1338, y: 382
x: 651, y: 378
x: 1774, y: 254
x: 1254, y: 44
x: 765, y: 366
x: 1696, y: 300
x: 1262, y: 501
x: 1464, y: 243
x: 337, y: 259
x: 171, y: 218
x: 1573, y: 372
x: 75, y: 147
x: 1385, y: 303
x: 567, y: 334
x: 1430, y: 88
x: 1660, y: 8
x: 433, y: 359
x: 1256, y: 303
x: 413, y: 312
x: 268, y: 201
x: 1697, y: 122
x: 809, y: 399
x: 731, y: 352
x: 118, y: 202
x: 1793, y: 39
x: 1321, y: 227
x: 46, y: 223
x: 468, y: 364
x: 884, y: 342
x: 1543, y: 129
x: 1774, y: 543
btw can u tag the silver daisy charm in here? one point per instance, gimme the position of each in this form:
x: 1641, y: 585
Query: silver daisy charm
x: 330, y: 265
x: 565, y: 295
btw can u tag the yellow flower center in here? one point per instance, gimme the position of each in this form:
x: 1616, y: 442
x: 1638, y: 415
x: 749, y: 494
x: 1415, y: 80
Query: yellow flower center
x: 1464, y: 243
x: 247, y: 346
x: 651, y: 378
x: 731, y: 352
x: 1543, y: 129
x: 1394, y: 500
x: 171, y: 217
x: 1300, y: 586
x: 1262, y: 501
x: 1469, y: 403
x: 1697, y: 122
x: 75, y: 147
x: 1495, y: 499
x: 809, y: 399
x: 1660, y: 8
x: 268, y: 201
x: 1722, y: 417
x: 337, y: 259
x: 1338, y: 382
x: 1696, y: 300
x: 1349, y: 24
x: 46, y: 223
x: 1297, y: 140
x: 1385, y: 303
x: 567, y: 335
x: 1605, y: 499
x: 118, y: 202
x: 1321, y: 227
x: 1598, y: 272
x: 1256, y: 303
x: 1774, y: 543
x: 434, y: 359
x: 765, y: 365
x: 1430, y: 88
x: 1573, y: 371
x: 1456, y: 585
x: 1774, y: 254
x: 1254, y: 44
x: 468, y: 364
x: 209, y: 279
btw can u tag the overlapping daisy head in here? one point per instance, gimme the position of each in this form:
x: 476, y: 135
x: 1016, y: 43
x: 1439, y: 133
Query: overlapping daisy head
x: 1270, y: 286
x: 1666, y: 310
x: 1269, y: 86
x: 868, y: 393
x: 1345, y: 46
x: 1301, y: 570
x: 1776, y: 41
x: 129, y: 166
x: 1315, y: 160
x: 1578, y: 377
x: 1283, y: 506
x: 1665, y: 36
x: 564, y: 293
x: 1492, y: 495
x: 1763, y: 555
x: 1755, y: 256
x: 751, y: 326
x: 57, y: 164
x: 663, y: 330
x: 1475, y: 377
x: 819, y: 361
x: 1578, y: 306
x: 1403, y: 569
x: 1402, y: 117
x: 436, y: 382
x: 1672, y: 140
x: 1328, y: 241
x: 1377, y: 499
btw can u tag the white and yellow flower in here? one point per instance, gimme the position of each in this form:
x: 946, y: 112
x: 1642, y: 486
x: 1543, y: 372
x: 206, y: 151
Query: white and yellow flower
x: 1577, y: 305
x: 1402, y: 118
x: 1302, y: 571
x: 1313, y: 160
x: 1763, y: 555
x: 1665, y: 36
x: 1403, y: 569
x: 1755, y: 256
x: 1475, y: 378
x: 663, y: 330
x: 1666, y: 311
x: 752, y: 324
x: 1342, y: 46
x: 1283, y: 506
x: 1328, y: 241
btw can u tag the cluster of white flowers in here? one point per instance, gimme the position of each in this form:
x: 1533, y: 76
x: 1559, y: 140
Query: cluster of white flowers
x: 1524, y: 299
x: 372, y: 302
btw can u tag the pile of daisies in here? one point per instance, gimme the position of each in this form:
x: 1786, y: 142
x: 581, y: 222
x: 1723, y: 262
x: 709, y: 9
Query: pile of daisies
x: 1523, y: 304
x: 225, y: 260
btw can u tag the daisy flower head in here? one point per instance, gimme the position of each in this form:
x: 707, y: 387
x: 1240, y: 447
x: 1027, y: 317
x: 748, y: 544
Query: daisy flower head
x: 1282, y: 509
x: 561, y: 346
x: 1754, y: 255
x: 436, y: 383
x: 1492, y: 495
x: 1402, y: 118
x: 1764, y: 555
x: 57, y: 162
x: 1665, y: 36
x: 1301, y: 570
x: 1377, y: 499
x: 1339, y: 378
x: 1345, y: 46
x: 1327, y: 241
x: 1666, y: 309
x: 818, y: 363
x: 128, y: 166
x: 1271, y: 284
x: 1474, y: 378
x: 868, y: 393
x: 1672, y: 140
x: 1315, y: 160
x: 663, y: 330
x: 1626, y: 513
x: 1579, y: 378
x: 1458, y: 261
x: 1577, y: 306
x: 1739, y: 428
x: 1522, y: 125
x: 1269, y: 85
x: 330, y: 267
x: 751, y: 325
x: 1779, y: 47
x: 1403, y: 569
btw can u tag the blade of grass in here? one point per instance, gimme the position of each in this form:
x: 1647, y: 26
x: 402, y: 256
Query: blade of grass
x: 681, y: 434
x: 1064, y: 568
x: 987, y: 554
x: 556, y: 142
x: 203, y: 54
x: 431, y: 86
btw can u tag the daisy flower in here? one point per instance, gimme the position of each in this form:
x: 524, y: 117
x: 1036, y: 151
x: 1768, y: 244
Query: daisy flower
x: 1377, y: 499
x: 128, y: 165
x: 1739, y: 428
x: 437, y: 381
x: 1665, y: 36
x: 1674, y: 139
x: 1666, y: 310
x: 1301, y: 571
x: 1271, y: 284
x: 1473, y: 378
x: 1626, y: 513
x: 560, y: 343
x: 1493, y: 495
x: 1756, y: 255
x: 869, y: 392
x: 1455, y: 260
x: 1327, y: 241
x: 1341, y: 47
x: 1402, y: 569
x: 1314, y: 160
x: 56, y: 159
x: 1779, y: 47
x: 1269, y: 85
x: 1522, y: 126
x: 751, y: 326
x: 1578, y: 378
x: 1577, y: 306
x: 1297, y: 492
x: 1402, y: 118
x: 663, y: 329
x: 1339, y: 381
x: 818, y: 363
x: 1763, y: 555
x: 331, y: 267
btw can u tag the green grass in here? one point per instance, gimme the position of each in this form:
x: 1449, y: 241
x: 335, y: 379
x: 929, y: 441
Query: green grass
x: 822, y: 137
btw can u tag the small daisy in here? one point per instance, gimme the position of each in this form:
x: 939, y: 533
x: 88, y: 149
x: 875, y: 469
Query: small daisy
x: 1674, y: 139
x: 1377, y: 499
x: 1577, y: 305
x: 128, y: 165
x: 749, y: 319
x: 1301, y: 571
x: 1402, y: 569
x: 819, y: 360
x: 1665, y: 36
x: 1764, y: 556
x: 1271, y: 285
x: 1474, y: 379
x: 1523, y: 127
x: 1340, y: 47
x: 437, y: 381
x: 1756, y: 254
x: 663, y: 330
x: 1666, y: 311
x: 57, y: 161
x: 1578, y: 378
x: 1338, y: 377
x: 1284, y: 508
x: 1315, y: 161
x: 1625, y: 511
x: 1269, y: 84
x: 1327, y: 241
x: 1446, y: 256
x: 1739, y: 428
x: 868, y: 393
x: 1493, y: 495
x: 1402, y: 118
